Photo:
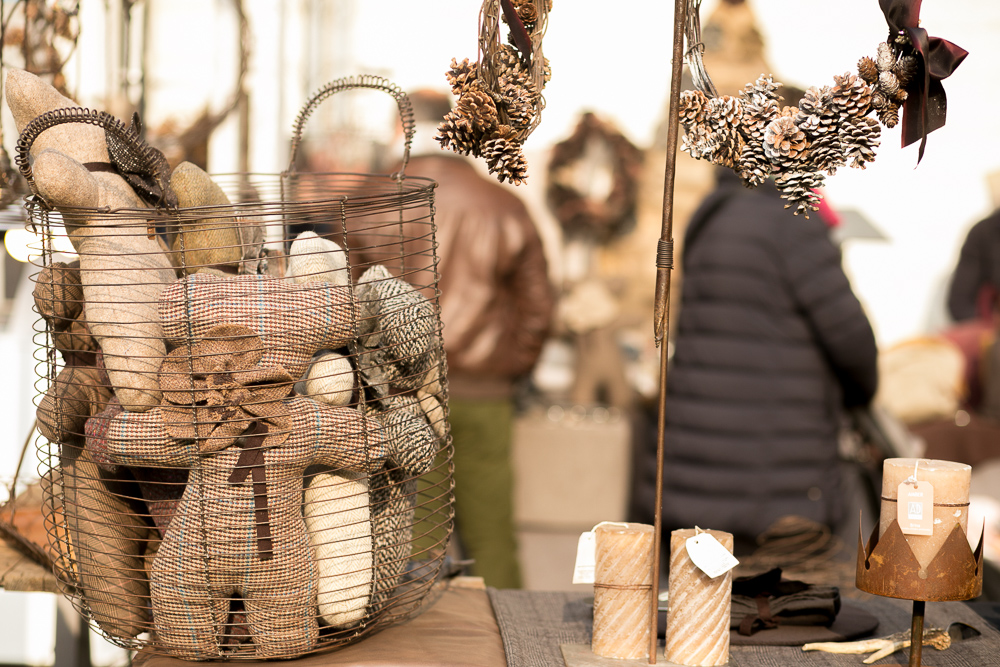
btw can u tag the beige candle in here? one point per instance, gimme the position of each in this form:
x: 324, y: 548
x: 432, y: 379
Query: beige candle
x: 699, y: 606
x: 951, y: 500
x: 623, y: 589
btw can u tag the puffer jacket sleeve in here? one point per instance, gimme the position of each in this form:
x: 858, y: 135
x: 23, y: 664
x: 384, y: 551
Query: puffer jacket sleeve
x: 823, y: 293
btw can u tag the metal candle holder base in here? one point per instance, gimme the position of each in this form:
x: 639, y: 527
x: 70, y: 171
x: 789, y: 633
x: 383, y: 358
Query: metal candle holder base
x: 886, y: 566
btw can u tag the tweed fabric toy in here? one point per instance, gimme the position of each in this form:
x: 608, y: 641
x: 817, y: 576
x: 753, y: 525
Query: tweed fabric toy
x: 121, y: 270
x: 294, y: 321
x: 397, y: 340
x: 220, y: 242
x: 108, y: 537
x: 77, y: 393
x: 338, y: 518
x: 215, y: 389
x: 242, y: 512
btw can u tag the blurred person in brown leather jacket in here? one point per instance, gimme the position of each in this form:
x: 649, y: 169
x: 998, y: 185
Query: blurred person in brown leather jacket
x: 496, y: 306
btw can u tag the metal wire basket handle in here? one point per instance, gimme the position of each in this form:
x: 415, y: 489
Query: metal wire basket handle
x: 143, y: 166
x: 347, y: 83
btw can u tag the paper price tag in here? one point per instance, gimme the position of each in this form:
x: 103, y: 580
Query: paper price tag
x: 709, y: 556
x: 915, y: 508
x: 586, y: 558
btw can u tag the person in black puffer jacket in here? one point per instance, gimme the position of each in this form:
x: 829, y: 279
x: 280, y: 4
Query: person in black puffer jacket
x: 771, y: 346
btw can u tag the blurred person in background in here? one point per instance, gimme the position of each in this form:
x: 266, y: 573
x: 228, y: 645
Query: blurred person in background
x: 496, y: 307
x: 772, y: 346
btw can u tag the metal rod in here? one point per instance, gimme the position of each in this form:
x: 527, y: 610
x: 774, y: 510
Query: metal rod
x: 917, y: 633
x: 661, y: 307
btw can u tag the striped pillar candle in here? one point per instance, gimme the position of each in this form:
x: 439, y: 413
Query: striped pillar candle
x: 623, y: 589
x: 699, y: 606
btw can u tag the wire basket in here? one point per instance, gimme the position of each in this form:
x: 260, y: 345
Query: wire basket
x: 243, y: 403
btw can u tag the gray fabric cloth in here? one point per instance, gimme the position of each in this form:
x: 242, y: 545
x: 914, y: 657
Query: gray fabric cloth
x: 535, y: 624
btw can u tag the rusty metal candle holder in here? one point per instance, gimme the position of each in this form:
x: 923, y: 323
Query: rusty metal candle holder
x: 886, y: 566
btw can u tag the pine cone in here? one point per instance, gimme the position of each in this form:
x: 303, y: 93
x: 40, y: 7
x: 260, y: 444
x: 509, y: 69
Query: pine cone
x: 798, y: 187
x: 691, y: 107
x: 518, y: 102
x: 461, y: 75
x: 753, y: 166
x: 885, y: 59
x: 906, y: 68
x: 528, y: 14
x: 477, y: 105
x: 457, y: 133
x: 851, y: 95
x: 888, y: 83
x: 784, y: 141
x: 868, y: 70
x: 697, y: 142
x: 860, y: 137
x: 723, y: 116
x: 888, y: 115
x: 504, y: 157
x: 764, y: 88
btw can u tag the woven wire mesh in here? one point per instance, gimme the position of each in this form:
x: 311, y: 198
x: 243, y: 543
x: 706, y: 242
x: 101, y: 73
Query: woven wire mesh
x: 243, y: 407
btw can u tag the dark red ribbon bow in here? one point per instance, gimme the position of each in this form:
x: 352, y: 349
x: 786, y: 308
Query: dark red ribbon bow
x: 926, y: 105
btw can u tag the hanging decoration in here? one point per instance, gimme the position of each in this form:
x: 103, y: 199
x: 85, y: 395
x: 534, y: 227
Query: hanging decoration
x: 500, y: 95
x: 833, y: 126
x: 593, y: 180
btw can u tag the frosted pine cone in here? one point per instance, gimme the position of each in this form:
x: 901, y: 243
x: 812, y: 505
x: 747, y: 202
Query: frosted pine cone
x: 461, y: 75
x: 851, y: 95
x: 888, y: 83
x: 799, y: 187
x: 764, y: 88
x: 860, y: 137
x: 784, y: 141
x: 697, y: 142
x: 691, y: 107
x: 885, y: 58
x: 722, y: 115
x: 753, y: 166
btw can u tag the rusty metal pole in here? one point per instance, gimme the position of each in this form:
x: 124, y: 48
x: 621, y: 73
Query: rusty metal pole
x: 661, y: 306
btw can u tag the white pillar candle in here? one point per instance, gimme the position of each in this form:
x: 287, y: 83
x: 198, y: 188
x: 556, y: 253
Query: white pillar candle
x: 699, y: 606
x: 623, y: 589
x: 950, y: 481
